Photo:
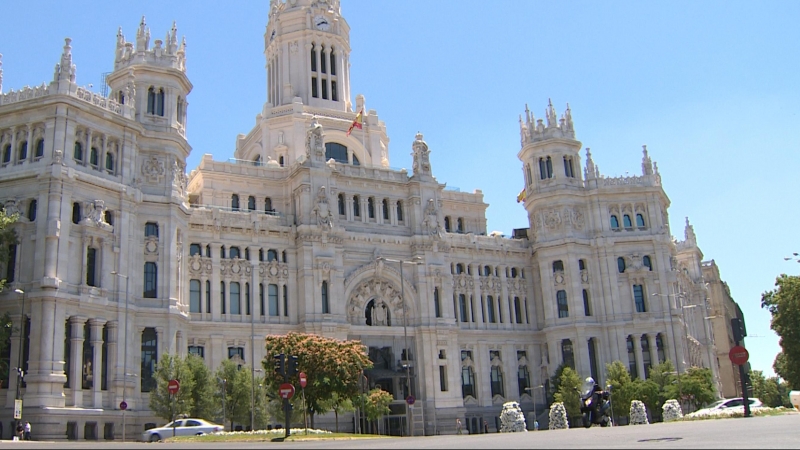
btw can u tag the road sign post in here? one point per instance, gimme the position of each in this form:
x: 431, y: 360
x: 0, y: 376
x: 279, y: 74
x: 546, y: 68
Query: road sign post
x: 286, y: 391
x: 739, y: 355
x: 172, y: 387
x: 303, y: 382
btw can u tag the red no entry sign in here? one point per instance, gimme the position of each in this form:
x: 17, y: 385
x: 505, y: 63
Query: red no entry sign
x: 303, y: 379
x: 286, y: 391
x: 739, y: 355
x: 173, y: 386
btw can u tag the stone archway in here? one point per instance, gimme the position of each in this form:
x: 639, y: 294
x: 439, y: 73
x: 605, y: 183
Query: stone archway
x: 374, y: 302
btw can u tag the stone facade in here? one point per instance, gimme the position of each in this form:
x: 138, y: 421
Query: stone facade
x: 124, y: 256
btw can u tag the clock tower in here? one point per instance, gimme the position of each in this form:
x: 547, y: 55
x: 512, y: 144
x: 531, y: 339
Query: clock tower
x: 307, y: 50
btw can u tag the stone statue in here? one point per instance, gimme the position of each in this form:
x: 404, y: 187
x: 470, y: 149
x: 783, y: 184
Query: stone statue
x: 315, y: 146
x: 431, y: 221
x: 379, y: 315
x: 322, y: 211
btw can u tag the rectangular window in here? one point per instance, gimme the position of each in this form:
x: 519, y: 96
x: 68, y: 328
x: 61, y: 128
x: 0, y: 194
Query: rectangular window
x: 197, y: 350
x: 437, y: 307
x: 314, y: 87
x: 11, y: 263
x: 222, y: 308
x: 638, y: 297
x: 518, y: 309
x: 150, y: 280
x: 285, y: 299
x: 462, y: 307
x: 233, y: 352
x: 247, y: 297
x: 334, y: 94
x: 563, y: 306
x: 104, y: 355
x: 490, y: 307
x: 496, y: 378
x: 208, y: 296
x: 523, y: 380
x: 593, y: 358
x: 325, y: 306
x: 273, y: 300
x: 443, y: 378
x: 261, y: 298
x: 587, y: 310
x: 151, y: 229
x: 325, y: 88
x: 194, y: 296
x: 149, y: 359
x: 91, y: 266
x: 236, y: 306
x: 632, y: 364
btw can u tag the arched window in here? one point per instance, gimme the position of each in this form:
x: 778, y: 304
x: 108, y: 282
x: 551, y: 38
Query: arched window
x: 151, y: 229
x: 558, y: 266
x: 194, y: 296
x: 110, y: 162
x: 23, y: 151
x: 222, y: 308
x: 150, y: 280
x: 333, y: 62
x: 437, y: 305
x: 236, y: 303
x: 76, y: 212
x: 336, y: 151
x: 371, y: 207
x: 7, y: 154
x: 160, y: 103
x: 621, y: 264
x: 151, y: 100
x: 568, y: 169
x: 273, y: 300
x: 281, y: 160
x: 313, y: 58
x: 614, y: 222
x: 356, y: 206
x: 561, y: 301
x: 32, y: 210
x: 459, y: 269
x: 460, y: 225
x: 468, y: 382
x: 251, y: 203
x: 640, y: 221
x: 326, y: 309
x: 626, y: 220
x: 518, y: 309
x: 268, y: 205
x: 235, y: 202
x: 399, y: 211
x: 646, y: 262
x: 340, y: 202
x: 194, y: 249
x: 513, y: 272
x: 542, y: 169
x: 93, y: 156
x: 77, y: 153
x: 234, y: 253
x: 581, y: 264
x: 108, y: 217
x: 272, y: 255
x: 487, y: 271
x: 491, y: 309
x: 549, y: 164
x: 385, y: 207
x: 567, y: 353
x: 39, y: 148
x: 447, y: 223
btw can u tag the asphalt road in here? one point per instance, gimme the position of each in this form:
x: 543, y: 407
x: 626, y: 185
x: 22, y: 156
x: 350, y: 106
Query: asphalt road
x: 756, y: 432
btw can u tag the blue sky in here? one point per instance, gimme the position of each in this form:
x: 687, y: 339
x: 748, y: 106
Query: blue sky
x: 710, y: 87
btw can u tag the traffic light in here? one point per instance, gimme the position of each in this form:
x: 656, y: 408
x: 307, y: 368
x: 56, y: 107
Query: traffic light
x: 293, y: 365
x: 737, y: 327
x: 279, y: 364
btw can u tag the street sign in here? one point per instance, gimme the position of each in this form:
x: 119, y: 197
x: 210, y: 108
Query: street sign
x: 286, y: 391
x: 18, y: 409
x: 303, y: 379
x: 739, y: 355
x: 123, y: 405
x: 410, y: 400
x: 173, y: 386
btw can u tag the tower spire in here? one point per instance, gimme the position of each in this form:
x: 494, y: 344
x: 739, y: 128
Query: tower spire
x: 647, y: 165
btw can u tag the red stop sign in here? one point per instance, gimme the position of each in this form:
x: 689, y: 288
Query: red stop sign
x: 173, y: 386
x: 303, y: 379
x: 286, y: 390
x: 739, y: 355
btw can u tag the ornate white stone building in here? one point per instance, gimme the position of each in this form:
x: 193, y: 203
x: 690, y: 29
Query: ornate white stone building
x: 124, y: 257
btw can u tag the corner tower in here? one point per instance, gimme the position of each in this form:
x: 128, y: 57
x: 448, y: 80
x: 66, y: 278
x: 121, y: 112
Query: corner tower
x: 307, y: 51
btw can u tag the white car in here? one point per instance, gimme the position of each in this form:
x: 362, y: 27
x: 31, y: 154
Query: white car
x: 183, y: 427
x: 726, y: 405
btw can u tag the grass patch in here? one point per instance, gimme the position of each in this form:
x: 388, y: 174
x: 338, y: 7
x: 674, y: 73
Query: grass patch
x: 273, y: 436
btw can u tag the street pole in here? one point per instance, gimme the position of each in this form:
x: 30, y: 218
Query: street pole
x: 252, y: 363
x: 409, y: 416
x: 20, y: 373
x: 674, y: 345
x: 124, y: 357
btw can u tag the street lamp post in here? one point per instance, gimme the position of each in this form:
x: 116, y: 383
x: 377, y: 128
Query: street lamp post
x: 532, y: 390
x: 674, y: 345
x: 250, y: 306
x: 20, y: 373
x: 124, y: 357
x: 410, y: 416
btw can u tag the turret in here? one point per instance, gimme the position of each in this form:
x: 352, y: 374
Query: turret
x: 152, y: 79
x: 307, y: 52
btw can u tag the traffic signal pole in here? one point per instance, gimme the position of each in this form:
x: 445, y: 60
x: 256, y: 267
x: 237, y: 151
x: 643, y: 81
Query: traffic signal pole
x: 738, y: 336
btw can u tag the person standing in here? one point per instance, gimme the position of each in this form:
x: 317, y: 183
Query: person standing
x: 27, y: 431
x: 485, y: 426
x: 458, y: 426
x: 20, y: 431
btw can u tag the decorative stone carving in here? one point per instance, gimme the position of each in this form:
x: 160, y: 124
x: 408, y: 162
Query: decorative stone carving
x: 552, y: 220
x: 430, y: 224
x: 199, y: 266
x: 383, y: 294
x: 94, y: 214
x: 322, y: 210
x: 11, y: 207
x: 153, y: 170
x: 179, y: 180
x: 315, y: 145
x: 151, y: 246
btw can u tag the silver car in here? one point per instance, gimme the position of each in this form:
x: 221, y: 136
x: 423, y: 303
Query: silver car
x: 183, y: 427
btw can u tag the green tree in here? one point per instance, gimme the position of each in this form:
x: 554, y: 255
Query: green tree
x: 375, y: 404
x: 772, y: 391
x: 237, y: 391
x: 203, y: 403
x: 161, y: 402
x: 697, y: 385
x: 568, y: 392
x: 622, y: 389
x: 664, y: 376
x: 331, y: 367
x: 784, y: 305
x: 339, y: 405
x: 8, y: 237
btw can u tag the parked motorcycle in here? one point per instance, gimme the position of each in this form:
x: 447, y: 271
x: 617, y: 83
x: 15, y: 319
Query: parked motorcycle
x: 595, y: 404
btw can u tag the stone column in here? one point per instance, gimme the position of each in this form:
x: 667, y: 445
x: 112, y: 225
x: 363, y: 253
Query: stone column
x: 651, y: 339
x: 113, y: 372
x: 97, y: 360
x: 76, y: 324
x: 502, y: 300
x: 637, y: 350
x: 318, y: 55
x: 215, y: 282
x: 31, y: 147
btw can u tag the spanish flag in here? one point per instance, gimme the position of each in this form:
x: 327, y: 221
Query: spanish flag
x: 358, y: 123
x: 521, y: 196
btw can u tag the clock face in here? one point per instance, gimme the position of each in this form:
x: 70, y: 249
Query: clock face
x: 321, y: 22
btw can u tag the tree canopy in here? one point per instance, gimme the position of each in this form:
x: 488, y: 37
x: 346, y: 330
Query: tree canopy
x: 169, y: 368
x: 784, y: 305
x: 772, y: 391
x: 567, y: 392
x: 332, y: 367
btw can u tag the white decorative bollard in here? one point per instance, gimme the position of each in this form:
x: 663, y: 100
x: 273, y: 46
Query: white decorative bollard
x: 558, y: 417
x: 512, y: 419
x: 671, y: 410
x: 638, y: 413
